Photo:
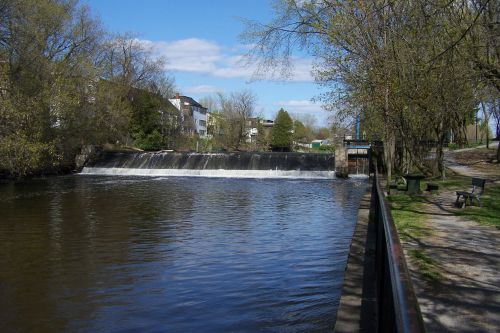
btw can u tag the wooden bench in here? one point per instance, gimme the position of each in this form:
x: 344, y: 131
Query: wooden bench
x: 477, y: 191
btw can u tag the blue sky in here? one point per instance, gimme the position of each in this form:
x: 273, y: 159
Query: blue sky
x: 199, y: 39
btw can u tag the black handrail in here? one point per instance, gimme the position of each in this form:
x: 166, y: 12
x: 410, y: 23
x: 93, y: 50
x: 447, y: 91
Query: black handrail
x: 397, y: 305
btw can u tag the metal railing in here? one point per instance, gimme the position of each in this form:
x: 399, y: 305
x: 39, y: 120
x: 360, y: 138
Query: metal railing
x: 397, y: 305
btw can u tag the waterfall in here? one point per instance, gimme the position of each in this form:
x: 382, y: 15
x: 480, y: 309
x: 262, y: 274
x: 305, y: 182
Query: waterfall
x: 240, y: 164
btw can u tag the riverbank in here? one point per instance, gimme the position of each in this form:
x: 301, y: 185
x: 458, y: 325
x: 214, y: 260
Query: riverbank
x: 452, y: 253
x: 357, y: 306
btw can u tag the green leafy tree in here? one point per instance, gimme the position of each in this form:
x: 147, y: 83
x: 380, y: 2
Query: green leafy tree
x: 47, y: 53
x: 263, y: 136
x: 64, y: 84
x: 282, y: 135
x: 300, y: 132
x: 155, y: 123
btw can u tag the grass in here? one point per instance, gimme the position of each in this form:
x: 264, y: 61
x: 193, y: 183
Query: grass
x: 409, y: 218
x: 488, y: 214
x: 454, y: 146
x: 451, y: 183
x: 410, y: 215
x: 426, y: 266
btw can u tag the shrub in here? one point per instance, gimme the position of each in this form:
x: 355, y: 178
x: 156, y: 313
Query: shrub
x: 327, y: 148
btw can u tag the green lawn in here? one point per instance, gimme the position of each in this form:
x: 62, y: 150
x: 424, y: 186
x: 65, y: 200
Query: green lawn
x: 409, y: 217
x: 489, y: 214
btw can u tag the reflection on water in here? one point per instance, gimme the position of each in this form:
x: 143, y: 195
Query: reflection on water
x: 92, y: 254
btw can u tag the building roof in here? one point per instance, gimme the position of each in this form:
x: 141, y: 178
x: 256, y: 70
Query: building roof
x: 190, y: 101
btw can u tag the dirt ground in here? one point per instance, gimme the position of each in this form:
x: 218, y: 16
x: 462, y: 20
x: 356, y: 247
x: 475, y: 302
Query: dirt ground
x: 475, y: 162
x: 467, y: 296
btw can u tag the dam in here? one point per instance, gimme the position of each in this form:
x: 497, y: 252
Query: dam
x: 227, y: 165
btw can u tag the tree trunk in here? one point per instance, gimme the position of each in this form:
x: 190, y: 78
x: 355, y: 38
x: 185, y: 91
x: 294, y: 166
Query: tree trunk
x: 487, y: 125
x: 465, y: 138
x: 487, y: 136
x: 439, y: 167
x: 389, y: 148
x: 440, y: 157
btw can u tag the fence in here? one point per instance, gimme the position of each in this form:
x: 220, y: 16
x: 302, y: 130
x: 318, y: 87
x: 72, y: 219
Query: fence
x: 397, y: 305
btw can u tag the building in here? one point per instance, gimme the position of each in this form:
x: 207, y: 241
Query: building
x: 315, y: 144
x: 252, y: 131
x: 194, y: 115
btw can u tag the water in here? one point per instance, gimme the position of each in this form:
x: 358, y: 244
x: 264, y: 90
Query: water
x: 221, y: 173
x: 127, y: 254
x: 231, y: 165
x: 214, y: 161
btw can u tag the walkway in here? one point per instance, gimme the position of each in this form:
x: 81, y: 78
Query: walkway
x: 468, y: 163
x: 467, y: 297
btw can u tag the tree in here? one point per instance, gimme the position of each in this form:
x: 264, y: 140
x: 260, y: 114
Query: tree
x: 323, y: 133
x: 303, y: 128
x: 210, y: 103
x: 300, y: 133
x: 137, y: 83
x: 263, y: 137
x: 282, y: 135
x: 481, y: 35
x: 398, y: 64
x: 126, y: 61
x: 64, y: 84
x: 351, y: 39
x: 494, y: 107
x: 154, y: 122
x: 47, y: 50
x: 237, y: 109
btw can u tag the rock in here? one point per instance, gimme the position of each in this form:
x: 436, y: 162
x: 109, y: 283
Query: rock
x: 88, y: 152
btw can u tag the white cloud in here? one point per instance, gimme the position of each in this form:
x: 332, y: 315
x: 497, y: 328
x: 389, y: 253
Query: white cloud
x: 206, y: 57
x: 234, y: 67
x: 202, y: 89
x: 302, y: 69
x: 188, y: 55
x: 300, y: 106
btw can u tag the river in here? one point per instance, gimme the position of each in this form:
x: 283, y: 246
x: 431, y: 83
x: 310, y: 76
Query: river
x: 157, y: 254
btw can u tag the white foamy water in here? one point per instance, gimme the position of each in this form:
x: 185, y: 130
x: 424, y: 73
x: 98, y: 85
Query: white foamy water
x: 358, y: 175
x: 219, y: 173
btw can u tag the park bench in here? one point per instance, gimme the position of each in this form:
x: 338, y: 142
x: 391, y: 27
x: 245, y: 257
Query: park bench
x: 477, y: 191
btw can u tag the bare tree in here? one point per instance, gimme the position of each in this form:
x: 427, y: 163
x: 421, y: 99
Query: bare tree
x: 127, y: 61
x: 398, y: 64
x: 237, y: 108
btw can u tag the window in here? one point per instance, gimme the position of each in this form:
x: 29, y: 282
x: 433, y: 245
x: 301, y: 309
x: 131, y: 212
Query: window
x: 203, y: 123
x: 202, y: 133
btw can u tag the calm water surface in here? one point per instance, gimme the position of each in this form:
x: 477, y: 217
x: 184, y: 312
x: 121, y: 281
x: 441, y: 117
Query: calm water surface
x: 129, y: 254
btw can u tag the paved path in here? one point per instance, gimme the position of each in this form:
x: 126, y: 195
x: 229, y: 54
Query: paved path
x: 467, y: 299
